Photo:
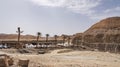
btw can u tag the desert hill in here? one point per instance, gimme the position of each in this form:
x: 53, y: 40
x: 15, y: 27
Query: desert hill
x: 105, y: 32
x: 108, y: 25
x: 15, y: 36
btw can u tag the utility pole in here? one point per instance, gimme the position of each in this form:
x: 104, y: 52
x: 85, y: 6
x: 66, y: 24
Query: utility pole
x: 19, y: 33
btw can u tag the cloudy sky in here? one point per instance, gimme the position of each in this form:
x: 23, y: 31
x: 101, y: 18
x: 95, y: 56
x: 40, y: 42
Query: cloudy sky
x: 54, y: 16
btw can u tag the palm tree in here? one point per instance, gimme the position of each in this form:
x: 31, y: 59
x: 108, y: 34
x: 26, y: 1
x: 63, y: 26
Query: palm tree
x: 19, y: 34
x: 47, y: 35
x: 38, y: 36
x: 64, y: 38
x: 55, y: 36
x: 68, y: 38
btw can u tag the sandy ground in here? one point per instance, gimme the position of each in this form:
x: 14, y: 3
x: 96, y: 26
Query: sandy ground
x: 69, y: 59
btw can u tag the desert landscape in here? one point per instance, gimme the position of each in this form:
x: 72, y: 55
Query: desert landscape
x: 99, y: 46
x: 59, y: 33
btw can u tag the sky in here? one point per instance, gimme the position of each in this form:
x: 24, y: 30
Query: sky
x: 54, y: 17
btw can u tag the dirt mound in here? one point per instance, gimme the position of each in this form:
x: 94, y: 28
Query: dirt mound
x: 109, y: 23
x: 106, y: 26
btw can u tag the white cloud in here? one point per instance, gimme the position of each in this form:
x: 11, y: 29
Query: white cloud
x: 85, y: 7
x: 78, y: 6
x: 112, y: 10
x: 49, y: 3
x: 106, y: 13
